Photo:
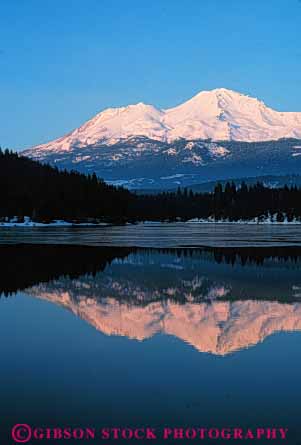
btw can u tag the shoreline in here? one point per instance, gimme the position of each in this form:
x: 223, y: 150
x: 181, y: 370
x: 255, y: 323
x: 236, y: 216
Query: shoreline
x: 63, y: 223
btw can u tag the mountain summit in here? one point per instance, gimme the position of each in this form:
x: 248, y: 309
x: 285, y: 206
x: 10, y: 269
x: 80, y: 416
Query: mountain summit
x: 219, y: 114
x: 223, y: 114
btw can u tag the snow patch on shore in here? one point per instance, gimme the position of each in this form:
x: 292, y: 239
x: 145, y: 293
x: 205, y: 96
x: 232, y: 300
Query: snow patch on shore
x: 15, y: 222
x: 271, y: 219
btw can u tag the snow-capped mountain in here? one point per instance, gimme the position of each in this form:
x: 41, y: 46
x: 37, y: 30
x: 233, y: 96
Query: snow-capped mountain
x: 219, y: 114
x: 226, y: 132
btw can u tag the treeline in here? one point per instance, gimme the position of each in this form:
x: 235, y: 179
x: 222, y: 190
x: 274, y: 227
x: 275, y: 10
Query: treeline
x: 229, y: 202
x: 42, y: 192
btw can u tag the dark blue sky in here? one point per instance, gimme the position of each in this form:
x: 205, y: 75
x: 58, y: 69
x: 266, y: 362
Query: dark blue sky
x: 62, y: 61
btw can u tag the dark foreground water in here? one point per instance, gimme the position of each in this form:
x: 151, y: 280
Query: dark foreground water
x: 127, y: 337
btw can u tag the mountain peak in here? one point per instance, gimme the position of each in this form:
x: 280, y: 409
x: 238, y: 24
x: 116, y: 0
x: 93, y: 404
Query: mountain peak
x: 226, y: 94
x: 221, y: 91
x: 218, y: 114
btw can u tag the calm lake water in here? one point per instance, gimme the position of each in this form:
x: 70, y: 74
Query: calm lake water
x: 152, y: 337
x: 159, y: 235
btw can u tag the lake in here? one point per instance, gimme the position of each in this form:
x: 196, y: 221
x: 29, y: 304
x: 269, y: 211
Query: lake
x: 159, y: 235
x: 158, y: 337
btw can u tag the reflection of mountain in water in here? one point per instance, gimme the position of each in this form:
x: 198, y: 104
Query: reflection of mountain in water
x: 216, y: 307
x: 218, y: 300
x: 218, y: 327
x: 152, y: 275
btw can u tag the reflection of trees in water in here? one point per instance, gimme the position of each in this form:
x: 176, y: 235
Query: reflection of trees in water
x: 23, y: 265
x: 144, y: 275
x: 240, y: 255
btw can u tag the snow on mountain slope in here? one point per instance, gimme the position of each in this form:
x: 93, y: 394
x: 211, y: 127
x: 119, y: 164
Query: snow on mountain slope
x: 219, y: 114
x: 226, y: 115
x: 112, y: 125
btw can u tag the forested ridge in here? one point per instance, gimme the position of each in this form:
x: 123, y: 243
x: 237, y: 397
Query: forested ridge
x: 44, y: 193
